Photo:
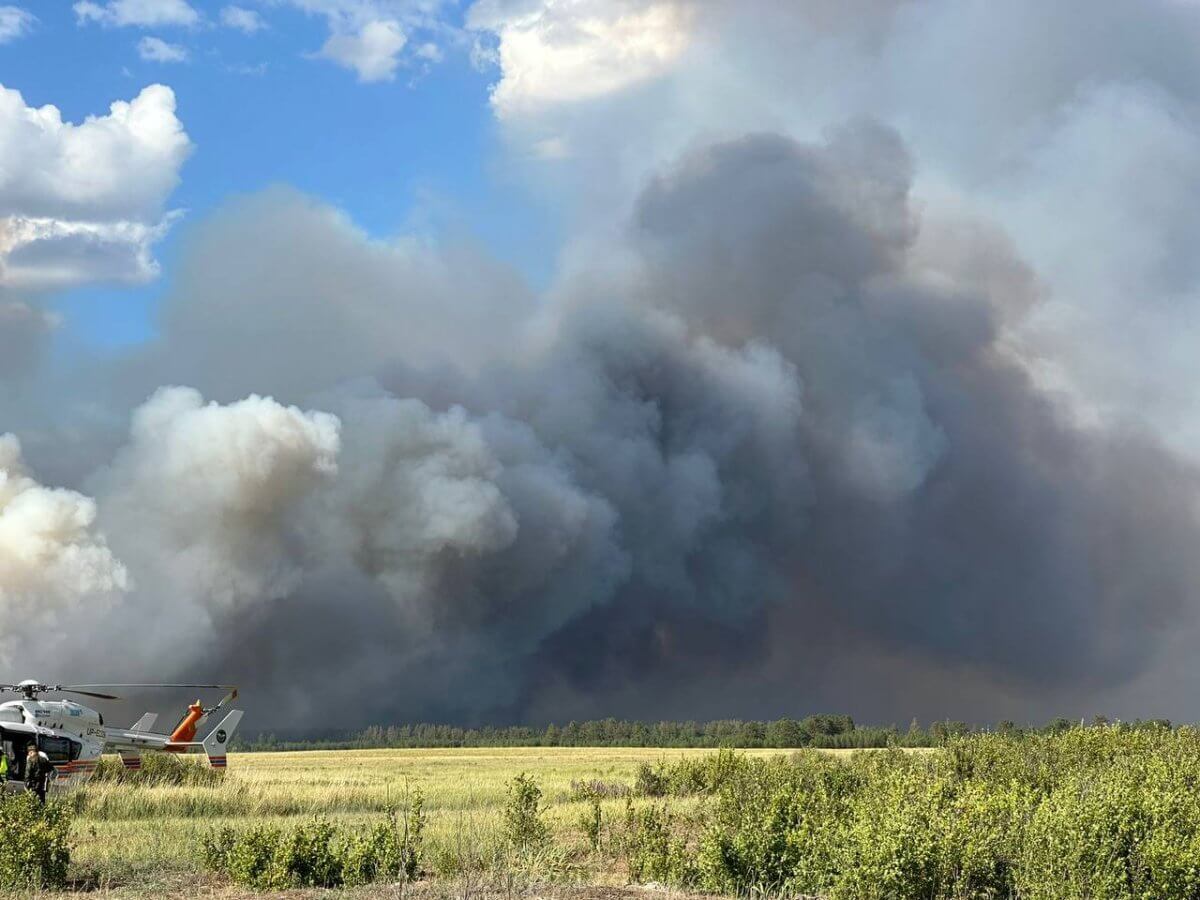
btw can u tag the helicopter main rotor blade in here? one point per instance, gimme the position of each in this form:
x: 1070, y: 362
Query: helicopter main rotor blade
x: 67, y: 690
x: 226, y: 687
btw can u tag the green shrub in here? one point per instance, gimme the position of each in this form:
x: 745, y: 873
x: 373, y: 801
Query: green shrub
x: 760, y: 854
x: 981, y: 836
x: 890, y: 843
x: 413, y: 820
x: 1107, y: 812
x: 585, y: 790
x: 774, y: 827
x: 524, y: 828
x: 215, y: 848
x: 653, y: 852
x: 651, y: 781
x: 591, y: 822
x: 248, y: 858
x: 391, y: 850
x: 1099, y: 812
x: 1130, y: 831
x: 316, y: 854
x: 373, y: 855
x: 36, y: 850
x: 306, y: 856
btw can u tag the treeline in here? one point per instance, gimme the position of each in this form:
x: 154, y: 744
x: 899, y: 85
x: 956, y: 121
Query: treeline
x: 819, y: 731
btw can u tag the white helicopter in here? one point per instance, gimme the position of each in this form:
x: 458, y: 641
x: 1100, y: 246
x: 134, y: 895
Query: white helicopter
x: 73, y: 737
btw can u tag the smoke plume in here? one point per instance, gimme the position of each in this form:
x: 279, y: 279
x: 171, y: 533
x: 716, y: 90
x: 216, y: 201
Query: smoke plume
x: 768, y: 449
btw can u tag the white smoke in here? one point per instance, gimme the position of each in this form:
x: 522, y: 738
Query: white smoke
x: 54, y: 562
x: 202, y: 498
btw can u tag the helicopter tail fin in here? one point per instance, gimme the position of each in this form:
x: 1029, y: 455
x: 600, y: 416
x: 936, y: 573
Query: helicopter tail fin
x: 218, y: 739
x: 145, y: 723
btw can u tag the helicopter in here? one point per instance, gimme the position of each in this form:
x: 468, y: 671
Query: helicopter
x: 73, y: 737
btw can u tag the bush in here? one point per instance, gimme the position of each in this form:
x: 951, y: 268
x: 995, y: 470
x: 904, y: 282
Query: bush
x: 981, y: 835
x: 524, y: 828
x: 306, y: 857
x: 1108, y: 811
x: 651, y: 781
x: 690, y: 775
x: 1131, y: 831
x: 250, y: 856
x: 586, y: 790
x: 653, y: 852
x: 215, y: 848
x: 391, y: 851
x: 36, y: 850
x: 1105, y: 812
x: 592, y: 821
x: 891, y: 845
x: 774, y: 827
x: 316, y: 854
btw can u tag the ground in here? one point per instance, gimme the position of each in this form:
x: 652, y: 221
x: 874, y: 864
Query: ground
x: 143, y: 841
x: 183, y: 888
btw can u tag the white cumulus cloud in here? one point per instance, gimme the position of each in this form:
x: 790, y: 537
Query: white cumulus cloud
x: 558, y: 51
x: 142, y: 13
x: 244, y: 20
x: 373, y: 51
x: 81, y: 202
x: 14, y: 22
x: 153, y: 49
x: 374, y: 38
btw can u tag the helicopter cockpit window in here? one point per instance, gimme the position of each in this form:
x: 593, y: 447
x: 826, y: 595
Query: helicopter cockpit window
x: 60, y: 749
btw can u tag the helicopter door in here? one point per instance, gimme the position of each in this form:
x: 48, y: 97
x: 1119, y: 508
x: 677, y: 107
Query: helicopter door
x: 59, y: 749
x: 13, y: 746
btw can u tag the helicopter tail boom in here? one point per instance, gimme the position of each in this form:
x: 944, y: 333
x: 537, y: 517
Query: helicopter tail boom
x: 131, y: 744
x: 213, y: 746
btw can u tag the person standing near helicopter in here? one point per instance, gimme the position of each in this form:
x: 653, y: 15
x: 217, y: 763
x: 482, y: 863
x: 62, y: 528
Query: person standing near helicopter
x: 37, y: 772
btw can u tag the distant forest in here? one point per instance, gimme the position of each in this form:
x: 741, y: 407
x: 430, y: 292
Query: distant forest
x: 822, y: 731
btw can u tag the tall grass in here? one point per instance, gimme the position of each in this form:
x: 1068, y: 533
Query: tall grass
x: 158, y: 770
x: 128, y: 831
x: 1098, y: 812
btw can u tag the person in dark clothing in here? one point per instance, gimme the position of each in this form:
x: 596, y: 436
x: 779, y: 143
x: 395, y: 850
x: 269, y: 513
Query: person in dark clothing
x: 37, y: 772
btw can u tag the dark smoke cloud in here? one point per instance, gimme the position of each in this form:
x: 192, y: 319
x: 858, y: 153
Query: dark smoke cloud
x: 768, y: 449
x: 1072, y: 125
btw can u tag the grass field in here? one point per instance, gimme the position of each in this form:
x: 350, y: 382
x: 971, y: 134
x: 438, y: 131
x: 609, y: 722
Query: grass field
x: 127, y: 835
x: 1107, y: 812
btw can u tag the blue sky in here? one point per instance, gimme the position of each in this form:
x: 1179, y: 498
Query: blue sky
x: 416, y: 151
